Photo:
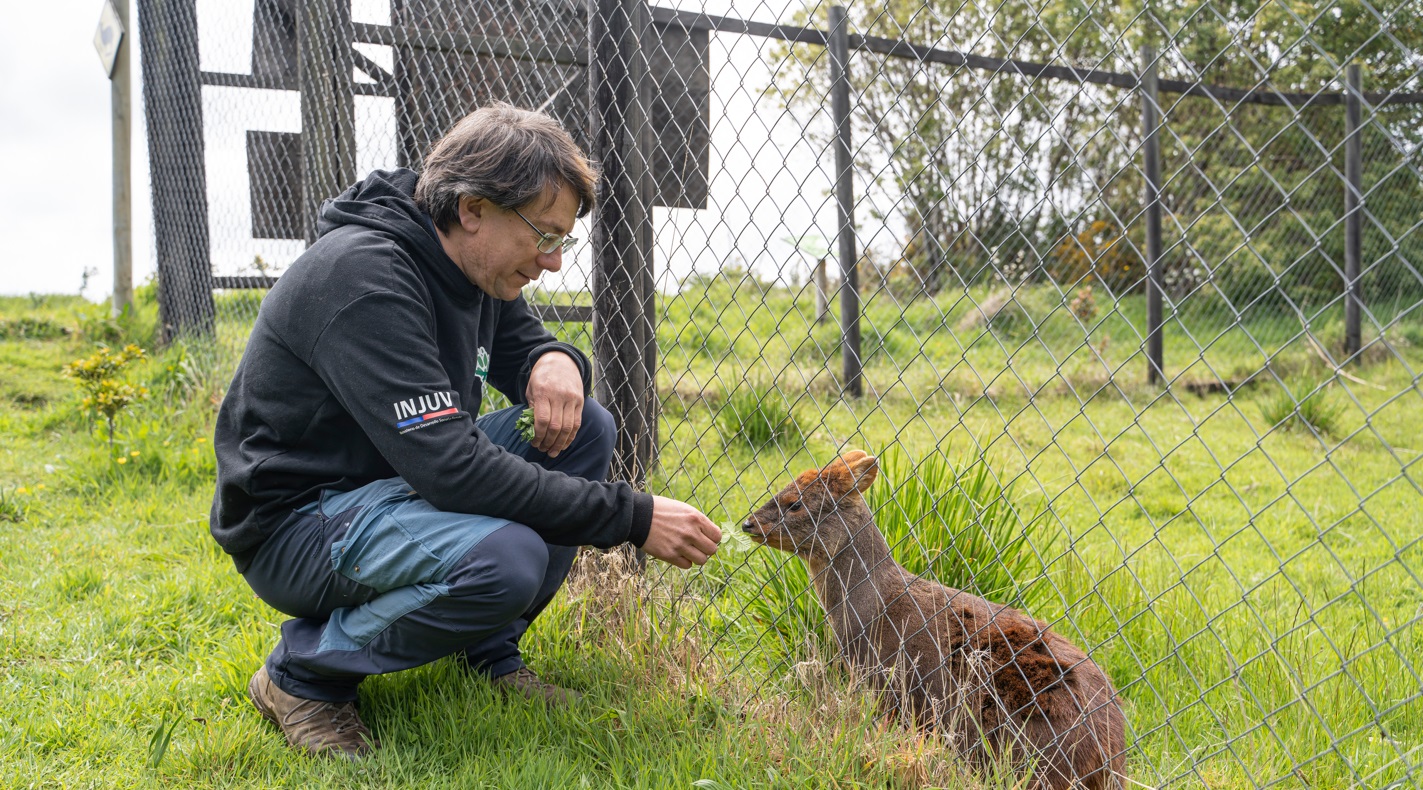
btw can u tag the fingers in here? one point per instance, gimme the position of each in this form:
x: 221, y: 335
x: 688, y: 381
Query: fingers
x: 681, y: 535
x: 556, y: 424
x: 566, y: 429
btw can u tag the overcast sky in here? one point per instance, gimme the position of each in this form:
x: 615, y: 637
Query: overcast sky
x: 55, y: 142
x: 56, y: 205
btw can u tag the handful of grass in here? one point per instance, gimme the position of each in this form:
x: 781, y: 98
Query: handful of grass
x: 525, y: 425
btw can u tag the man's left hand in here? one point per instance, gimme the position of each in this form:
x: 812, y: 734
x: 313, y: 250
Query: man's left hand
x: 556, y: 395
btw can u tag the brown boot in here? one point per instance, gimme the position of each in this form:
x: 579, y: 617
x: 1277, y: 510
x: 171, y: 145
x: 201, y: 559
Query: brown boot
x: 526, y: 682
x: 321, y: 728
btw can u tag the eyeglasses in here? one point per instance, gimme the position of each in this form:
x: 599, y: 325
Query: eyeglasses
x: 549, y: 242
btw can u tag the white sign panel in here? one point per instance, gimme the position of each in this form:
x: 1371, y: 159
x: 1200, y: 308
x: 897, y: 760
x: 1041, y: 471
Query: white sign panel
x: 108, y: 37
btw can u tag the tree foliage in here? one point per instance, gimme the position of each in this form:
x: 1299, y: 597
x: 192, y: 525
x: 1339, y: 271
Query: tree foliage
x: 1000, y: 172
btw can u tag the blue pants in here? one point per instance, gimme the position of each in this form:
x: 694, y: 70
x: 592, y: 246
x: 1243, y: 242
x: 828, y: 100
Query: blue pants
x: 377, y: 580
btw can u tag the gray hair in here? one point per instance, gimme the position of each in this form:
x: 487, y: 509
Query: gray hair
x: 507, y: 156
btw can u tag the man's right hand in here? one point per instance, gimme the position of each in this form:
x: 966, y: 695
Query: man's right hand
x: 680, y: 534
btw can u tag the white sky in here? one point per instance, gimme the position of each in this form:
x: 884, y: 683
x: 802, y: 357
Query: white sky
x: 768, y: 183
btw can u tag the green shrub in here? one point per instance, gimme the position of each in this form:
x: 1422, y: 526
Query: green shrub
x: 1318, y: 412
x: 100, y: 378
x: 29, y: 328
x: 759, y: 415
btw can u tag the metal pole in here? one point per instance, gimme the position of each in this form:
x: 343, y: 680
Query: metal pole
x: 1353, y: 211
x: 620, y: 279
x: 822, y: 293
x: 1151, y: 152
x: 119, y: 102
x: 845, y: 200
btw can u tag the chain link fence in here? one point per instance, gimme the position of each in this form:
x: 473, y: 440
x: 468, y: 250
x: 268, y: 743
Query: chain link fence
x: 1126, y: 300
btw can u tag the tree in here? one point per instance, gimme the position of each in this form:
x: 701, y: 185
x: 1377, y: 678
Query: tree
x: 996, y: 171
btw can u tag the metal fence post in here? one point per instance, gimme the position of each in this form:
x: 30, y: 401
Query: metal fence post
x: 822, y: 293
x: 1353, y: 211
x: 173, y: 112
x: 328, y: 109
x: 845, y: 201
x: 1151, y: 154
x: 620, y: 257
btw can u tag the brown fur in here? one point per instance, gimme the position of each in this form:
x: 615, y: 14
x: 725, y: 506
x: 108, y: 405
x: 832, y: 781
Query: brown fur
x: 983, y: 673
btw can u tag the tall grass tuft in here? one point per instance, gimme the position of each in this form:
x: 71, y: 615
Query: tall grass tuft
x: 12, y: 508
x: 758, y: 415
x: 961, y: 528
x: 1318, y: 412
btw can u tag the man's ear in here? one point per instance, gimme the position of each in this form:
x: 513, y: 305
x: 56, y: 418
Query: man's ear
x: 472, y: 210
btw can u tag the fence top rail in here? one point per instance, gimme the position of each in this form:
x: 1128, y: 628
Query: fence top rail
x: 694, y: 20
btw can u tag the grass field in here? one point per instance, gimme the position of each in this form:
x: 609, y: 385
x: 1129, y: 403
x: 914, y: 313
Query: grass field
x: 1252, y: 589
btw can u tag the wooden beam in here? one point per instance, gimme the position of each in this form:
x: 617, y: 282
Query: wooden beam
x: 447, y: 41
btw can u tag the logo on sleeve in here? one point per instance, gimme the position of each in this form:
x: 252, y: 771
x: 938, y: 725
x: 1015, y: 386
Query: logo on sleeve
x: 424, y: 410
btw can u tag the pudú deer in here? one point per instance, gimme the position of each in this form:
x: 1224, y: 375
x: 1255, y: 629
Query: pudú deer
x: 997, y: 682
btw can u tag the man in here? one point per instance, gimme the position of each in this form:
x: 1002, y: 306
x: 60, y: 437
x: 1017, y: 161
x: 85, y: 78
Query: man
x: 357, y: 492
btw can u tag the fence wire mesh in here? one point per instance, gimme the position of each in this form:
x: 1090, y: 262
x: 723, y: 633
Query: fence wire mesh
x: 1125, y: 303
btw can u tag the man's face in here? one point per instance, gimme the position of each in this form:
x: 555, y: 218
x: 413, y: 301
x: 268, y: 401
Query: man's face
x: 498, y: 251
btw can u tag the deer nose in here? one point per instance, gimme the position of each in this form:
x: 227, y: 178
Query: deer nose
x: 750, y: 526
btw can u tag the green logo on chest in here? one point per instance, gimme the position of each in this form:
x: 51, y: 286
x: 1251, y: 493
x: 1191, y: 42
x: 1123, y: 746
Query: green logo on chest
x: 481, y: 366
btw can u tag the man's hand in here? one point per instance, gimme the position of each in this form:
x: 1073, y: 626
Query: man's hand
x: 680, y: 534
x: 555, y: 393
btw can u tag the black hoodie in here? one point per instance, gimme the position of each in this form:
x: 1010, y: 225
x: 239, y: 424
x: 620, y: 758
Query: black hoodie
x: 368, y: 360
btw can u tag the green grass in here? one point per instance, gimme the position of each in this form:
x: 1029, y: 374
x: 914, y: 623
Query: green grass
x: 1254, y: 593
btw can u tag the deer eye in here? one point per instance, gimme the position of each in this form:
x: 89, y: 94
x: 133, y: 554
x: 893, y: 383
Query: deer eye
x: 795, y: 507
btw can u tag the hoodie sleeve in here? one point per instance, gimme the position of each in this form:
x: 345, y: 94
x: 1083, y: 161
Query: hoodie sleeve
x: 519, y: 341
x: 393, y: 385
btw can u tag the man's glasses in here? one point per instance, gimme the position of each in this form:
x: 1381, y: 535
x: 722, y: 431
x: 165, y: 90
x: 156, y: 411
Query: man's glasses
x: 549, y: 242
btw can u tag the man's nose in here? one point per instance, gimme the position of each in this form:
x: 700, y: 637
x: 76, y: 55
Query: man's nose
x: 551, y: 261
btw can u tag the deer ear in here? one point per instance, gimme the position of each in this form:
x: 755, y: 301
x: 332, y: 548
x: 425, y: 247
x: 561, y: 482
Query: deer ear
x: 853, y: 471
x: 864, y: 468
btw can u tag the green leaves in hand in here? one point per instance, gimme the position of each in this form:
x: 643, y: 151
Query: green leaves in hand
x: 525, y: 425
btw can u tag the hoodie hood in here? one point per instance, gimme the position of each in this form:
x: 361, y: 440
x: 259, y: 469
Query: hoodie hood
x: 385, y: 201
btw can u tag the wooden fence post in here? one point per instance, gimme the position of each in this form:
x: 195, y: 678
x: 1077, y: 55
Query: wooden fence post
x: 121, y: 107
x: 328, y: 109
x: 622, y: 325
x: 173, y: 113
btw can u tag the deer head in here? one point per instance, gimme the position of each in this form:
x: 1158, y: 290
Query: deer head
x: 819, y: 513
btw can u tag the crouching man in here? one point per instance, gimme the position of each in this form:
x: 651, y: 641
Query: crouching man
x: 358, y: 490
